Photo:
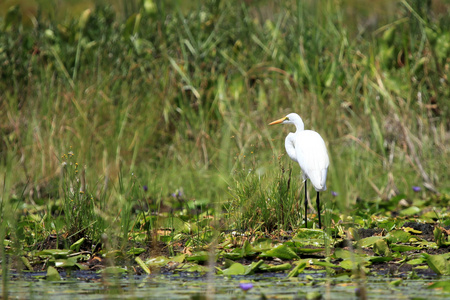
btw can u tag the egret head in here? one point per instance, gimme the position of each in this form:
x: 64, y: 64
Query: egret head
x: 292, y: 118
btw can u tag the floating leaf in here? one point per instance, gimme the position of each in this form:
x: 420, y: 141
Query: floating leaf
x: 198, y: 256
x: 113, y: 270
x: 380, y: 259
x: 234, y: 269
x: 396, y: 282
x: 310, y: 237
x: 262, y: 245
x: 113, y: 254
x: 26, y: 263
x: 438, y: 263
x: 275, y: 268
x: 194, y: 268
x: 445, y: 285
x: 281, y: 251
x: 297, y: 270
x: 52, y: 274
x: 381, y: 248
x: 142, y: 265
x: 158, y: 261
x: 135, y: 251
x: 416, y: 261
x: 403, y: 248
x: 398, y: 236
x: 250, y: 269
x: 410, y: 211
x: 56, y: 253
x: 66, y: 263
x: 369, y: 241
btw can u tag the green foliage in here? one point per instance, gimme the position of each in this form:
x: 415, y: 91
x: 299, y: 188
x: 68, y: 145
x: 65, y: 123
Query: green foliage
x: 260, y: 202
x: 177, y: 99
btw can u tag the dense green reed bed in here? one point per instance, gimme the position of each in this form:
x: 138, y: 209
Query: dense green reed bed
x: 138, y: 131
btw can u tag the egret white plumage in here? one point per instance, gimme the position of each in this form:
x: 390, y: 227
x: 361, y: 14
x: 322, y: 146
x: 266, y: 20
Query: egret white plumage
x: 307, y: 148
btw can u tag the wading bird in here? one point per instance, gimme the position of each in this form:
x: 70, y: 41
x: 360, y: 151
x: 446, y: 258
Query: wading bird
x: 308, y: 149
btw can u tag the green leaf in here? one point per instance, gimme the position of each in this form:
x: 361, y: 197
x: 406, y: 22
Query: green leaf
x: 297, y: 270
x: 380, y: 259
x: 198, y: 256
x: 381, y: 248
x: 324, y: 264
x: 113, y: 270
x: 396, y: 282
x: 438, y: 263
x: 135, y: 251
x: 52, y: 274
x: 410, y: 211
x: 403, y: 248
x: 235, y: 269
x: 66, y: 263
x: 369, y: 241
x: 158, y: 261
x: 194, y: 268
x: 416, y: 261
x: 342, y: 253
x: 56, y: 253
x: 76, y: 246
x: 26, y: 263
x: 275, y: 268
x: 141, y: 264
x: 445, y: 285
x: 262, y: 245
x: 310, y: 237
x: 250, y: 269
x: 281, y: 251
x: 439, y: 237
x: 398, y: 236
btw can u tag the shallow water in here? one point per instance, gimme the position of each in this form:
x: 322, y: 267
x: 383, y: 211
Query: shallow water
x: 90, y: 285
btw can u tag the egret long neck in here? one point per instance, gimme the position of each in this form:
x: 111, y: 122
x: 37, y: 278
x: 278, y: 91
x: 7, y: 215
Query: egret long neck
x: 299, y: 125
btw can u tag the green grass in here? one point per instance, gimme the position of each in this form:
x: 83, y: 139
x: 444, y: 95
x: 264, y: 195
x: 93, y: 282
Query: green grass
x: 180, y: 99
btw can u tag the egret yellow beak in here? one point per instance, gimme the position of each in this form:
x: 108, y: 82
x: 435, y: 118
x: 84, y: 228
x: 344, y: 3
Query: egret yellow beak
x: 278, y: 121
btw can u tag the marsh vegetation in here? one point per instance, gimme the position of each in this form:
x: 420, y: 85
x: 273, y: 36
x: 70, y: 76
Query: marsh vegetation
x: 134, y: 138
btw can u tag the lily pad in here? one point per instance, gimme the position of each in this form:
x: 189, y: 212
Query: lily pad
x: 369, y: 241
x: 398, y: 236
x: 199, y: 256
x: 281, y: 251
x: 52, y: 274
x: 135, y: 251
x: 438, y: 263
x: 410, y: 211
x: 310, y: 237
x: 381, y: 248
x: 403, y: 248
x: 56, y: 253
x: 250, y: 269
x: 113, y: 270
x: 297, y: 270
x: 275, y: 268
x: 235, y: 269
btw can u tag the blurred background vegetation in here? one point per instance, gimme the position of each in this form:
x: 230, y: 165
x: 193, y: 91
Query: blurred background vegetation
x: 153, y: 99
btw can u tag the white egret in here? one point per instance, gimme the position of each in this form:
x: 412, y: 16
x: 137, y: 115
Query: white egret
x: 308, y: 149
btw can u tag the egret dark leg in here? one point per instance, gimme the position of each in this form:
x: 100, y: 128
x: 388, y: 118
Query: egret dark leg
x: 318, y: 209
x: 306, y: 205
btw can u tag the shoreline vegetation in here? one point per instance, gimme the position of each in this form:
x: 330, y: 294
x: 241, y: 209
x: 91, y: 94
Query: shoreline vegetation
x: 135, y: 137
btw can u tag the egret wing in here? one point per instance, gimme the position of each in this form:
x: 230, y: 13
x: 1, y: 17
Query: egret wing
x: 312, y: 156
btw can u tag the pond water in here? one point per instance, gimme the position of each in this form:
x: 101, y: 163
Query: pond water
x: 88, y: 285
